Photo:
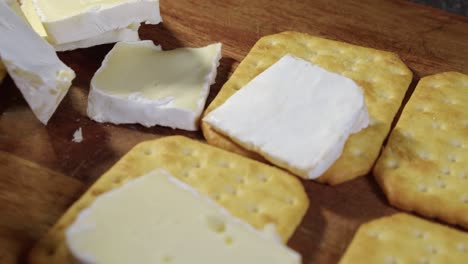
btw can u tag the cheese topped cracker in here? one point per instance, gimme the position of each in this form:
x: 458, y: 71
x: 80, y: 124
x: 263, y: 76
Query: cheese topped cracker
x: 295, y: 114
x: 382, y: 75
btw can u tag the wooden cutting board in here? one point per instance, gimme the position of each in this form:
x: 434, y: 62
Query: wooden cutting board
x: 42, y: 171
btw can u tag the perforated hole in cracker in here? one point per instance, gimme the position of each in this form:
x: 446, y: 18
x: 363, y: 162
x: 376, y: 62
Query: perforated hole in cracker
x: 230, y: 190
x: 423, y: 188
x: 462, y: 247
x: 391, y: 260
x: 419, y: 234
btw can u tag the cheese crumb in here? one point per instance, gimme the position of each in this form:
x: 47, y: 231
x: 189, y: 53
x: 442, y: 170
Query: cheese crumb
x: 78, y: 136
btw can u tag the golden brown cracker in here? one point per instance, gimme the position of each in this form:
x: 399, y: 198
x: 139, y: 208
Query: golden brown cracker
x: 257, y: 193
x: 382, y: 75
x: 403, y: 238
x: 424, y: 167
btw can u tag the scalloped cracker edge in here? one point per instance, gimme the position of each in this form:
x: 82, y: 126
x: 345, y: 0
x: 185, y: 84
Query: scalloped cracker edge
x: 382, y: 75
x: 424, y: 167
x: 403, y: 238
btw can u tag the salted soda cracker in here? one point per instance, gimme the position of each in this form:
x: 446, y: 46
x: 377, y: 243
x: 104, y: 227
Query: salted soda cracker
x: 259, y: 194
x: 403, y: 238
x: 424, y: 167
x: 382, y: 75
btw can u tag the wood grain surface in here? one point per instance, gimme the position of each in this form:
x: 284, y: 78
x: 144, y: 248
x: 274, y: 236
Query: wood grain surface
x: 42, y: 171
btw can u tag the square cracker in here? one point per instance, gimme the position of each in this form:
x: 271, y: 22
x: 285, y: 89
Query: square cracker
x: 257, y: 193
x: 404, y: 238
x: 424, y: 167
x: 383, y: 76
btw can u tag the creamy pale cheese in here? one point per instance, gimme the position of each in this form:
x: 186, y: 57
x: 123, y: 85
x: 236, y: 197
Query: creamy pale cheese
x: 124, y: 34
x: 139, y: 83
x: 68, y: 21
x: 158, y: 219
x: 296, y: 114
x: 33, y: 18
x: 15, y: 6
x: 33, y: 64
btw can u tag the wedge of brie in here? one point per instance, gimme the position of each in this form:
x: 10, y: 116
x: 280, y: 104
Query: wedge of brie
x: 67, y: 21
x: 33, y: 64
x: 139, y: 83
x: 129, y: 33
x: 159, y: 219
x: 295, y: 114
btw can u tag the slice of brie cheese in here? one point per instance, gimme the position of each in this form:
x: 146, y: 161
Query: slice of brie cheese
x: 139, y: 83
x: 129, y: 33
x: 159, y: 219
x: 33, y: 64
x: 295, y: 114
x: 68, y: 21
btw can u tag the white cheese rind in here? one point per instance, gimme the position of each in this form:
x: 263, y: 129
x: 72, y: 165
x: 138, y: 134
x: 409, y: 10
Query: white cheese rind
x: 118, y: 35
x: 295, y: 114
x: 33, y: 65
x: 167, y: 88
x: 124, y: 34
x: 156, y: 218
x: 95, y: 18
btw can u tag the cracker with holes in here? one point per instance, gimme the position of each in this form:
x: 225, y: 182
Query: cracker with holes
x: 404, y: 238
x: 259, y: 194
x: 382, y: 76
x: 424, y: 167
x: 179, y: 224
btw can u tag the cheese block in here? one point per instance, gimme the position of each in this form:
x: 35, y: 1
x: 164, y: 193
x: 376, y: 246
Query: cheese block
x: 295, y: 114
x: 157, y: 218
x: 68, y: 21
x: 129, y: 33
x: 33, y: 64
x: 139, y: 83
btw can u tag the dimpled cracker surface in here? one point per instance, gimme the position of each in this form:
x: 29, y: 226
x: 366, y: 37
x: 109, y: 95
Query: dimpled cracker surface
x: 257, y: 193
x: 406, y: 239
x: 424, y: 167
x: 382, y: 75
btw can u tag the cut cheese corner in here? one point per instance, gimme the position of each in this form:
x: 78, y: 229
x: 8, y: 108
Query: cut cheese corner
x: 295, y: 114
x: 140, y: 84
x: 167, y: 221
x: 129, y: 33
x: 33, y: 65
x: 70, y: 21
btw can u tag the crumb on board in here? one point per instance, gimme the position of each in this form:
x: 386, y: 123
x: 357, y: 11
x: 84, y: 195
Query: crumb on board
x: 78, y: 136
